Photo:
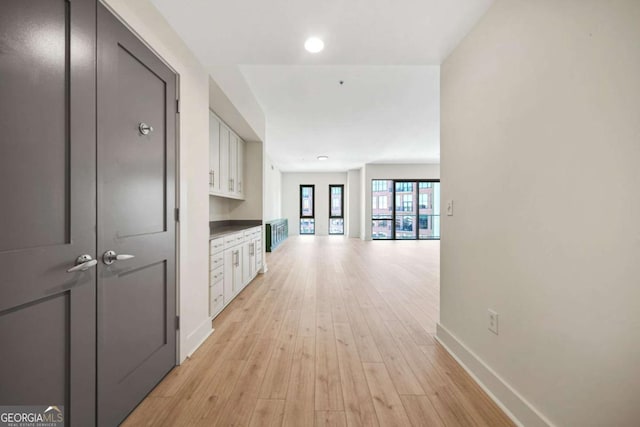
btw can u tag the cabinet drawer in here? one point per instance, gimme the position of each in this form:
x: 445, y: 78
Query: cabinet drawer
x: 216, y: 245
x: 216, y: 275
x: 252, y: 231
x: 233, y: 239
x: 216, y: 261
x: 216, y: 299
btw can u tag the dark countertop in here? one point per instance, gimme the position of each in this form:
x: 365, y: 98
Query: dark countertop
x: 218, y: 229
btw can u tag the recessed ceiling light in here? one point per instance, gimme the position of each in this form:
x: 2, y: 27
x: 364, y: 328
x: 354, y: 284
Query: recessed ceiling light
x: 323, y: 157
x: 314, y: 44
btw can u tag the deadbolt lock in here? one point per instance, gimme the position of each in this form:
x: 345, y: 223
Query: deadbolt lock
x: 144, y: 128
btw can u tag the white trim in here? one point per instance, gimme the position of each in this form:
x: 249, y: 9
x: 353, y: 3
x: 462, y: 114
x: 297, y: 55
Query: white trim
x: 195, y: 339
x: 521, y: 412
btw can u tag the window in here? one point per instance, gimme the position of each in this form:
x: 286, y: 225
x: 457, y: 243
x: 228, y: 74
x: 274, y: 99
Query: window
x: 405, y: 209
x: 381, y: 185
x: 407, y: 202
x: 336, y: 209
x: 382, y: 209
x: 424, y: 200
x: 307, y: 209
x: 382, y: 203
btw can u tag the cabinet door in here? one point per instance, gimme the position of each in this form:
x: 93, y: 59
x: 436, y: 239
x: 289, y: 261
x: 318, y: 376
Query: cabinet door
x: 233, y: 163
x: 237, y: 274
x: 246, y: 263
x: 225, y: 179
x: 257, y: 255
x: 214, y: 154
x: 240, y: 171
x: 254, y: 260
x: 229, y: 269
x: 216, y: 298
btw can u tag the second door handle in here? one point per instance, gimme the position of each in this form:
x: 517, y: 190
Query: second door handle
x: 110, y: 257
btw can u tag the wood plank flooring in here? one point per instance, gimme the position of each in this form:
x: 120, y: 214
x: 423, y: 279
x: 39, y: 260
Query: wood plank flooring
x: 338, y: 332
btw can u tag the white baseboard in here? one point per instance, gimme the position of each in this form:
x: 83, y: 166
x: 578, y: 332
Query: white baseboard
x: 509, y: 400
x: 195, y: 339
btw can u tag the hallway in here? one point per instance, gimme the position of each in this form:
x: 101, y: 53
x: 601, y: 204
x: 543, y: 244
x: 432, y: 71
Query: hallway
x: 337, y: 332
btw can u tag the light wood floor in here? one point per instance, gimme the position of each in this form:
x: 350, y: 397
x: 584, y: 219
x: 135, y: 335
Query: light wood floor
x: 339, y: 332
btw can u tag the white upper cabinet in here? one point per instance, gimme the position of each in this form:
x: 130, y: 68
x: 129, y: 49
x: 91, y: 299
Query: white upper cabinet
x: 240, y: 170
x: 223, y: 155
x: 226, y: 160
x: 214, y: 154
x: 233, y: 164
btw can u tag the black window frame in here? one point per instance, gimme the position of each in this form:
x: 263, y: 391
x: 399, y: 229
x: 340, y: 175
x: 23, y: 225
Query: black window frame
x: 313, y: 208
x: 416, y: 202
x: 341, y: 216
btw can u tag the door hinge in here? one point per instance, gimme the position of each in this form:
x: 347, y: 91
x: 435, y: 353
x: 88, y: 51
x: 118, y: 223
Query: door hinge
x: 177, y: 322
x: 177, y: 105
x: 177, y: 214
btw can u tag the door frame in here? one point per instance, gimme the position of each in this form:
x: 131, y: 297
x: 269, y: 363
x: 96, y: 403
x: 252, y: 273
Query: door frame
x: 178, y: 174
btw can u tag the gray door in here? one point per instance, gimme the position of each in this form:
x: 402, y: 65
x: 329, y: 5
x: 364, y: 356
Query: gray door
x: 136, y: 201
x: 48, y: 205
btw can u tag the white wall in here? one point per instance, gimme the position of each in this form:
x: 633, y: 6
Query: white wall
x: 220, y: 208
x: 231, y: 81
x: 146, y: 21
x: 364, y: 222
x: 272, y: 190
x: 291, y: 198
x: 229, y: 114
x: 540, y: 151
x: 386, y: 171
x: 352, y: 203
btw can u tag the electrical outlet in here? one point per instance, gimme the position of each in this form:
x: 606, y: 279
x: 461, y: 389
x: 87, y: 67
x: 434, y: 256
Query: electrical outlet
x: 450, y: 207
x: 493, y: 321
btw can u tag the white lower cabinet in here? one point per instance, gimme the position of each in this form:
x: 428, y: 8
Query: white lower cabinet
x: 216, y: 298
x: 232, y: 272
x: 258, y: 248
x: 216, y: 277
x: 234, y: 261
x: 249, y: 261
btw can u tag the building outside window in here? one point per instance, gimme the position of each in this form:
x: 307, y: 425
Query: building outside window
x: 382, y: 210
x: 336, y: 209
x: 405, y: 216
x: 307, y: 209
x: 405, y: 209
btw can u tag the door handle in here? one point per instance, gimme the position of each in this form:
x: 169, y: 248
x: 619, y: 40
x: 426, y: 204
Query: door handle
x: 83, y: 263
x: 110, y: 257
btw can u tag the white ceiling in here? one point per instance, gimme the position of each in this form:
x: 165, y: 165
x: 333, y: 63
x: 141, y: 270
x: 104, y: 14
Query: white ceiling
x: 380, y: 114
x: 388, y: 108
